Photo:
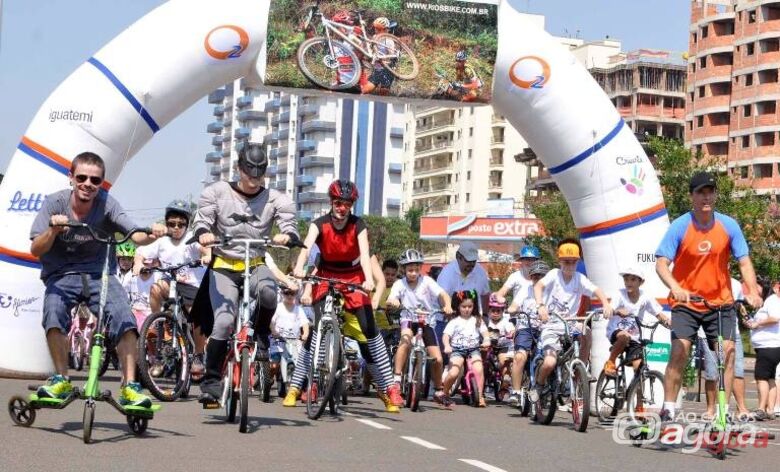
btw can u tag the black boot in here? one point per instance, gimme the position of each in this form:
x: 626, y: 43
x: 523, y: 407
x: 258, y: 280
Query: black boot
x: 211, y: 385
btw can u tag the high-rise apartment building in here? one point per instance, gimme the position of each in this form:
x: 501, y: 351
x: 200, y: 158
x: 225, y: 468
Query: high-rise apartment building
x: 733, y: 88
x: 311, y: 141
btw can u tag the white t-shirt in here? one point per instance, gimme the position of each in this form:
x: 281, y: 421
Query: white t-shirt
x: 520, y: 286
x: 289, y: 323
x: 424, y: 296
x: 124, y: 279
x: 564, y: 298
x: 451, y: 281
x: 532, y: 320
x: 138, y: 290
x: 464, y: 334
x: 643, y: 306
x: 503, y: 327
x: 170, y: 254
x: 767, y: 336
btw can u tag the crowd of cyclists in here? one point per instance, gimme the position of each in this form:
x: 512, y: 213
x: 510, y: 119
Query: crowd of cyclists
x: 454, y: 307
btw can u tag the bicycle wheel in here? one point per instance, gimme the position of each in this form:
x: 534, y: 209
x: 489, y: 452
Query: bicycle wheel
x: 608, y: 398
x: 474, y: 394
x: 228, y: 390
x: 105, y: 358
x: 580, y: 398
x: 322, y: 372
x: 645, y: 394
x: 336, y: 69
x: 163, y: 361
x: 415, y: 393
x: 544, y: 408
x: 88, y: 419
x: 264, y: 380
x: 244, y: 392
x: 404, y: 64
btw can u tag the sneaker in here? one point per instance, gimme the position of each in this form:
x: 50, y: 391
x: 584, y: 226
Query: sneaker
x: 665, y: 416
x: 514, y: 399
x: 389, y: 406
x: 760, y: 415
x: 444, y: 400
x: 131, y: 395
x: 610, y: 369
x: 291, y: 399
x: 56, y: 386
x: 197, y: 369
x: 394, y: 393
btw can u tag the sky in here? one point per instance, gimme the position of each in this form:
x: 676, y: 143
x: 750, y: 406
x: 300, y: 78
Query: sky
x: 44, y: 41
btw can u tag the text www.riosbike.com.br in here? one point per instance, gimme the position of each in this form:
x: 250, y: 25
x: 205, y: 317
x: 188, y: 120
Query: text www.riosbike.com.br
x: 447, y: 8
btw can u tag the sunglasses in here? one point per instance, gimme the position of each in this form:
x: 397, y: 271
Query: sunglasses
x: 81, y: 178
x: 175, y: 224
x: 342, y: 203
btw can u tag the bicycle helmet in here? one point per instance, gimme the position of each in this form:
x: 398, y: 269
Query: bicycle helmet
x: 529, y: 252
x: 495, y: 303
x: 538, y: 268
x: 343, y: 16
x: 411, y: 256
x: 178, y: 207
x: 382, y: 22
x: 461, y: 55
x: 252, y: 159
x: 126, y: 249
x: 343, y: 190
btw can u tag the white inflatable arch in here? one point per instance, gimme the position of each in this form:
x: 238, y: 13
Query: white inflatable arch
x: 117, y: 100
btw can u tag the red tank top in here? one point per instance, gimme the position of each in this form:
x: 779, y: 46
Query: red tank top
x: 339, y: 250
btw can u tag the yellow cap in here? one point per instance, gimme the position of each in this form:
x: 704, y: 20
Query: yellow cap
x: 569, y: 251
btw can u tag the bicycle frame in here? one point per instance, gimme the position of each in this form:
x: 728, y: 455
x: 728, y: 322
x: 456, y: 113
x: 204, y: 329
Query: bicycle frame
x: 335, y: 28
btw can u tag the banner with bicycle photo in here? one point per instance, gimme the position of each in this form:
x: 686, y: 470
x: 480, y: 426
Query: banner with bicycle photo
x: 423, y: 49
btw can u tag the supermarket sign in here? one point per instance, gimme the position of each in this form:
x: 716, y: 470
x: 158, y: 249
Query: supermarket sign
x: 444, y: 228
x: 658, y: 352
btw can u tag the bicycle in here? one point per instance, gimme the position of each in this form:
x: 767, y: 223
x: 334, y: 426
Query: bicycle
x: 239, y: 378
x: 568, y: 383
x: 326, y: 61
x: 493, y: 367
x: 23, y: 410
x: 326, y: 381
x: 81, y: 328
x: 645, y: 393
x: 416, y: 376
x: 288, y: 349
x: 166, y: 341
x: 466, y: 384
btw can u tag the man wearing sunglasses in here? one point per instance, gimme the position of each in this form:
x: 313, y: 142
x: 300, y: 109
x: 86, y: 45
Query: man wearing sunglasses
x: 243, y: 209
x: 173, y: 251
x: 66, y: 253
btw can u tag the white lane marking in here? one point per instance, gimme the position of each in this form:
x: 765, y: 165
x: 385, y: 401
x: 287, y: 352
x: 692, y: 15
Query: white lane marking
x: 348, y: 413
x: 482, y: 465
x: 373, y: 424
x: 424, y: 443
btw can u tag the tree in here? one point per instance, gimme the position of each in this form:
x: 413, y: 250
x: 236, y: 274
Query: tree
x: 413, y: 216
x: 389, y: 237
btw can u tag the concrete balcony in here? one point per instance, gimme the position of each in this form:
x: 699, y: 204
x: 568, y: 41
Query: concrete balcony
x: 245, y: 101
x: 496, y: 162
x: 214, y: 156
x: 436, y: 168
x: 318, y: 125
x: 227, y: 122
x: 280, y: 117
x: 313, y: 197
x: 395, y: 168
x: 495, y: 184
x: 217, y: 140
x: 284, y: 133
x: 282, y: 166
x: 271, y: 171
x: 217, y: 96
x: 306, y: 215
x: 285, y: 100
x: 271, y: 137
x: 273, y: 104
x: 438, y: 146
x: 497, y: 140
x: 219, y: 110
x: 442, y: 187
x: 306, y: 145
x: 280, y: 185
x: 396, y: 132
x: 436, y: 127
x: 316, y: 161
x: 226, y: 151
x: 215, y: 127
x: 252, y: 115
x: 215, y: 170
x: 305, y: 180
x: 393, y: 203
x: 242, y: 133
x: 306, y: 110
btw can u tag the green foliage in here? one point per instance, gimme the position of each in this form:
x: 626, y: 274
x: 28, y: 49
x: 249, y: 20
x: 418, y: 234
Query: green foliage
x: 556, y: 217
x: 413, y: 216
x: 389, y: 237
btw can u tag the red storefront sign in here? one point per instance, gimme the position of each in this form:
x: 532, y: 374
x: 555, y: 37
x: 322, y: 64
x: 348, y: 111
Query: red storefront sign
x: 461, y: 228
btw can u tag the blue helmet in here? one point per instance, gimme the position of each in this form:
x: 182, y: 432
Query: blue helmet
x: 529, y: 252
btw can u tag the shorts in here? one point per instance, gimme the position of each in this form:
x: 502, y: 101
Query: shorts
x: 428, y: 334
x: 686, y: 322
x: 525, y: 339
x: 62, y: 294
x: 382, y: 78
x: 508, y: 350
x: 711, y: 361
x: 552, y: 333
x: 767, y: 360
x: 187, y: 293
x: 473, y: 353
x: 633, y: 351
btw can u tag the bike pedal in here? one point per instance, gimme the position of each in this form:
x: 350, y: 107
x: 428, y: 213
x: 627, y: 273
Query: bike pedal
x: 210, y: 405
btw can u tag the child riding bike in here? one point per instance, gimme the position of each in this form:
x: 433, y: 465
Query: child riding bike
x: 504, y: 331
x: 412, y: 292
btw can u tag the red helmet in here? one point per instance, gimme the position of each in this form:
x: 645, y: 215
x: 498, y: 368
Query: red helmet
x: 343, y: 190
x: 343, y: 16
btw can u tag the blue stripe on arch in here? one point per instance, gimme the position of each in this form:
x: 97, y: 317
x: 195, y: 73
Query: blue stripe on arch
x: 589, y: 152
x: 19, y: 262
x: 624, y: 225
x: 42, y: 159
x: 124, y: 91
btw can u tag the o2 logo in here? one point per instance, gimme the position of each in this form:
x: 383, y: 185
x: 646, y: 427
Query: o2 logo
x: 220, y: 42
x: 530, y: 72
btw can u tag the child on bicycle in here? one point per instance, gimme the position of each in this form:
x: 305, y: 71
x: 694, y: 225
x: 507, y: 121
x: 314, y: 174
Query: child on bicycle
x: 561, y: 291
x: 502, y: 329
x: 418, y: 292
x: 139, y: 288
x: 288, y: 323
x: 125, y: 254
x: 623, y: 331
x: 462, y: 341
x: 527, y: 328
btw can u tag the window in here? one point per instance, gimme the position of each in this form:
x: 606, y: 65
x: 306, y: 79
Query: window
x: 471, y: 153
x: 768, y: 76
x: 703, y: 62
x: 751, y: 16
x: 719, y: 119
x: 701, y: 91
x: 762, y: 171
x: 694, y: 38
x: 704, y: 31
x: 751, y: 49
x: 766, y: 108
x: 700, y: 121
x: 765, y: 139
x: 746, y: 110
x: 458, y: 134
x: 460, y: 112
x: 468, y: 175
x: 471, y: 130
x: 743, y: 172
x: 468, y: 197
x: 748, y: 80
x: 745, y: 141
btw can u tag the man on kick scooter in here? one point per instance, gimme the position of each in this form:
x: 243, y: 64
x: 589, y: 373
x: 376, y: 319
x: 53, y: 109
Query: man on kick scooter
x: 66, y: 253
x: 242, y: 209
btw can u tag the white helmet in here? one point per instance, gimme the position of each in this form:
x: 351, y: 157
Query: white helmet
x: 382, y: 21
x: 411, y: 256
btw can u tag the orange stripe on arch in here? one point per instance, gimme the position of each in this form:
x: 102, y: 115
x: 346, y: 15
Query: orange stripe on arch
x: 53, y: 156
x: 622, y: 219
x: 19, y: 255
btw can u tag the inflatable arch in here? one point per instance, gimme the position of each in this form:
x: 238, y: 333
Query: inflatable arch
x: 117, y: 100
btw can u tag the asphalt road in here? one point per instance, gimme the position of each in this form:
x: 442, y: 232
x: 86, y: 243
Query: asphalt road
x: 184, y: 437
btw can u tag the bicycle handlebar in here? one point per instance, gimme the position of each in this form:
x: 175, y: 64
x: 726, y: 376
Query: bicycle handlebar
x: 332, y: 282
x: 256, y: 242
x: 109, y: 240
x: 170, y: 269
